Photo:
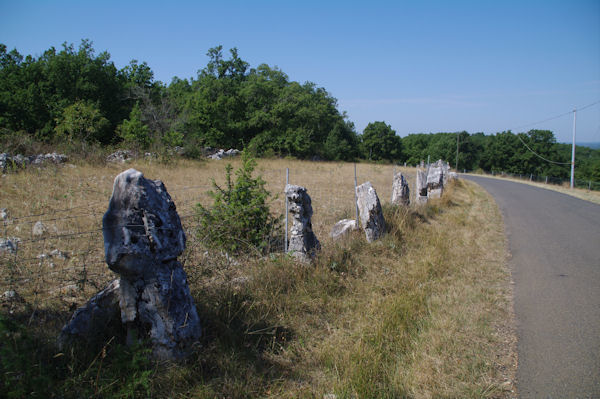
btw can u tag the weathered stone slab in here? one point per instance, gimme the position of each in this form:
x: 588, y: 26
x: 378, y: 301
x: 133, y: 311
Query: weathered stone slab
x: 303, y: 243
x: 400, y: 190
x: 444, y: 168
x: 371, y: 214
x: 435, y: 180
x: 142, y: 238
x: 88, y: 322
x: 421, y: 186
x: 343, y: 228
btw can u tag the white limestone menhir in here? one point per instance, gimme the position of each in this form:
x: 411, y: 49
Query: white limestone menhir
x: 371, y: 214
x: 303, y: 244
x: 143, y: 237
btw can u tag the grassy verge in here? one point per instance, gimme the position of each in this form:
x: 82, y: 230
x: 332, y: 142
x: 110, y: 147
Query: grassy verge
x: 424, y: 312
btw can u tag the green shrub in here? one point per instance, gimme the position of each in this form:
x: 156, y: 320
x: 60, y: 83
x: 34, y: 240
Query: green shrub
x: 83, y: 121
x: 133, y: 131
x: 239, y: 219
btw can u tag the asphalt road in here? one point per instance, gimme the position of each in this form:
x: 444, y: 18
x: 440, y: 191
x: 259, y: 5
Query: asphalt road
x: 554, y: 240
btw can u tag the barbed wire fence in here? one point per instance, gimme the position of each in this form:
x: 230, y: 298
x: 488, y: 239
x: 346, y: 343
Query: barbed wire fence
x: 65, y: 263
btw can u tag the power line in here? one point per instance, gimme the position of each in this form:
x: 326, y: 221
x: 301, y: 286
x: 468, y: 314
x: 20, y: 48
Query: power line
x: 542, y: 121
x: 546, y: 120
x: 539, y: 156
x: 557, y: 116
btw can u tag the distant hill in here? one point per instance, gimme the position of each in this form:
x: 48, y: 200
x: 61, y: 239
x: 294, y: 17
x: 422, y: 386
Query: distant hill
x: 594, y: 145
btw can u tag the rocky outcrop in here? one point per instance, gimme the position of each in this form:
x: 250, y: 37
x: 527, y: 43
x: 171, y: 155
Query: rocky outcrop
x: 143, y: 237
x: 303, y: 244
x: 19, y: 161
x: 53, y: 157
x: 371, y: 214
x: 400, y: 190
x: 120, y: 156
x: 220, y: 153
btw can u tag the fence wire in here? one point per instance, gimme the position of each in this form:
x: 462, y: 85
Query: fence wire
x: 66, y: 263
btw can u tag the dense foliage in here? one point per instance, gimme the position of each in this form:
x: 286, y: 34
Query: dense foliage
x: 381, y: 142
x: 504, y: 152
x: 74, y: 97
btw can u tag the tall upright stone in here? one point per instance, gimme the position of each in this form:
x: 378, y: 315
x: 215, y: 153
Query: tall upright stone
x: 303, y: 244
x: 421, y: 183
x: 445, y: 169
x: 400, y: 190
x: 371, y: 214
x: 143, y: 237
x: 435, y: 179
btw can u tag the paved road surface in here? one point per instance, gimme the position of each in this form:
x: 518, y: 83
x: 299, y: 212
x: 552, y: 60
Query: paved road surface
x: 554, y: 240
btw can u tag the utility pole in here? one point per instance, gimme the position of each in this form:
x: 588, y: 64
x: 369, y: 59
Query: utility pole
x: 456, y: 165
x: 573, y: 150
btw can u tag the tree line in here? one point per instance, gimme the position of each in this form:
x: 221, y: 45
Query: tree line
x: 77, y: 98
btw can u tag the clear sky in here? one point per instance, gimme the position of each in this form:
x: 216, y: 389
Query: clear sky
x: 420, y: 66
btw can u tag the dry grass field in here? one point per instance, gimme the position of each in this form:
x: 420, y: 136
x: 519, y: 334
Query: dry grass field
x: 424, y: 312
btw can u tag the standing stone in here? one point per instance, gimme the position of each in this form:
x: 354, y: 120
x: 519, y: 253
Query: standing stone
x: 371, y: 215
x: 143, y: 237
x: 303, y: 242
x: 435, y: 180
x: 421, y: 196
x: 400, y: 190
x: 445, y: 169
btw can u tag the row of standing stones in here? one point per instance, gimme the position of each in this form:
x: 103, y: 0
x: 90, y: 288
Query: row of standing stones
x: 143, y: 237
x: 429, y: 184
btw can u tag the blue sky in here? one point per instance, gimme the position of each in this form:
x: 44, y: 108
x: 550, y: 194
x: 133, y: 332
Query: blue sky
x: 420, y: 66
